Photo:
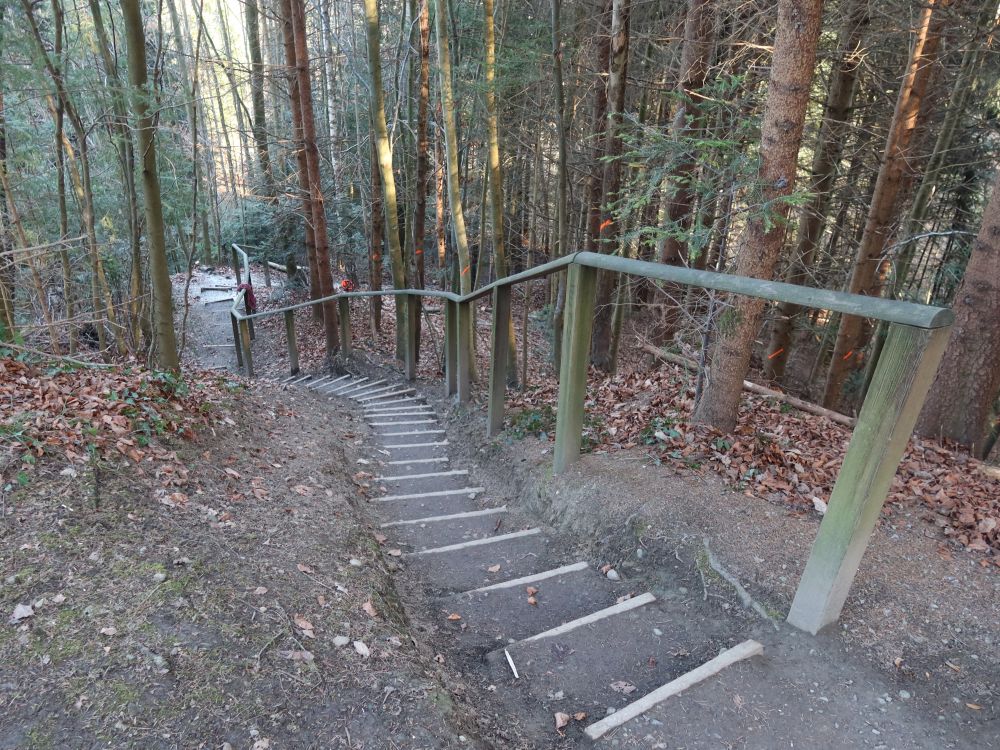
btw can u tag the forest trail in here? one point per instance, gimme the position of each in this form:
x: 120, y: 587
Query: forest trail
x: 556, y: 644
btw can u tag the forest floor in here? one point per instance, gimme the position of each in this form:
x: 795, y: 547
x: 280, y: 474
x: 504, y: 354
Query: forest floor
x: 209, y: 576
x: 202, y: 576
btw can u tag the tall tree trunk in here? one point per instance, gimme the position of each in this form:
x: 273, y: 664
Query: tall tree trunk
x: 163, y: 309
x: 317, y: 205
x: 608, y: 230
x: 599, y: 123
x: 459, y: 233
x: 377, y: 242
x: 496, y: 179
x: 839, y: 103
x: 8, y: 270
x: 967, y: 383
x: 298, y: 138
x: 384, y: 150
x: 257, y: 96
x: 423, y: 159
x: 760, y: 244
x: 866, y: 276
x: 562, y: 189
x: 688, y: 125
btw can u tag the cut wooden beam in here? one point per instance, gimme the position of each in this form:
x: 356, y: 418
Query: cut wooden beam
x: 743, y: 651
x: 601, y: 614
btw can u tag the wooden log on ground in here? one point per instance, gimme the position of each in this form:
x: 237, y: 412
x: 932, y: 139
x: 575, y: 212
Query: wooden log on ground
x: 760, y: 390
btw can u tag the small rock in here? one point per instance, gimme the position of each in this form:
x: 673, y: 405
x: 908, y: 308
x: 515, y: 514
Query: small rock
x: 356, y: 562
x: 682, y: 590
x: 341, y: 640
x: 640, y: 553
x: 612, y: 575
x: 159, y: 577
x: 657, y: 631
x: 611, y: 710
x: 905, y: 695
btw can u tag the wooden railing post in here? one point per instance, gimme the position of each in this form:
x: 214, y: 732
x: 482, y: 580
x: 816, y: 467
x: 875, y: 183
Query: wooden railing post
x: 450, y: 348
x: 245, y: 340
x: 499, y: 351
x: 465, y: 352
x: 236, y: 266
x: 898, y: 387
x: 581, y: 288
x: 344, y: 308
x: 293, y: 347
x: 236, y: 341
x: 412, y: 311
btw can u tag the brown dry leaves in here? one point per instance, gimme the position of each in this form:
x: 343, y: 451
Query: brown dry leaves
x: 113, y: 414
x: 778, y: 453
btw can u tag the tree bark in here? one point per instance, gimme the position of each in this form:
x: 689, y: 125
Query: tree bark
x: 866, y: 275
x: 608, y: 230
x: 298, y: 139
x: 496, y: 179
x: 760, y: 244
x: 163, y: 309
x: 257, y: 97
x: 830, y: 147
x: 384, y: 151
x: 317, y: 204
x: 967, y: 383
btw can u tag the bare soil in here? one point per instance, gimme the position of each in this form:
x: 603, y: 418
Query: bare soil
x: 922, y: 621
x: 182, y: 627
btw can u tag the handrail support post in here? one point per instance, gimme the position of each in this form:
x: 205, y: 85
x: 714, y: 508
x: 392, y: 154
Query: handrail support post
x: 581, y: 289
x: 900, y: 383
x: 344, y: 317
x: 293, y: 349
x: 245, y: 339
x: 236, y: 341
x: 465, y: 352
x: 450, y: 348
x: 499, y: 351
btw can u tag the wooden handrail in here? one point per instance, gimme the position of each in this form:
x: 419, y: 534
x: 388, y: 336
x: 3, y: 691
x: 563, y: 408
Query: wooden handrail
x: 876, y: 308
x: 916, y: 340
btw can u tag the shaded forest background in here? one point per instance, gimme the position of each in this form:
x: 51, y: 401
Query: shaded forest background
x: 844, y: 145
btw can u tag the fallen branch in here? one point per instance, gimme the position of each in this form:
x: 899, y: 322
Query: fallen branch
x: 760, y: 390
x: 54, y: 357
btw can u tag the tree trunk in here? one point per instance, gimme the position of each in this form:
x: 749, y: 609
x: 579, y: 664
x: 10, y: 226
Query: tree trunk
x: 892, y: 177
x: 163, y: 310
x: 839, y: 103
x: 608, y: 230
x: 496, y: 180
x: 599, y: 123
x: 968, y: 380
x: 298, y: 139
x: 377, y: 242
x: 562, y: 189
x: 257, y: 97
x: 760, y: 244
x: 423, y: 159
x: 316, y: 199
x: 450, y: 126
x: 384, y: 151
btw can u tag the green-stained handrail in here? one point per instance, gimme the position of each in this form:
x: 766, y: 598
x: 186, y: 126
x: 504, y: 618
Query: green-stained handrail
x: 877, y: 308
x: 891, y: 311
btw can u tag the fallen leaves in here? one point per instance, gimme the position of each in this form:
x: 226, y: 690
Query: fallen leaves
x: 775, y: 453
x: 493, y: 569
x: 21, y: 612
x: 369, y: 609
x: 305, y: 626
x: 623, y: 687
x: 303, y: 568
x: 113, y: 413
x: 563, y: 720
x: 454, y: 617
x: 302, y: 657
